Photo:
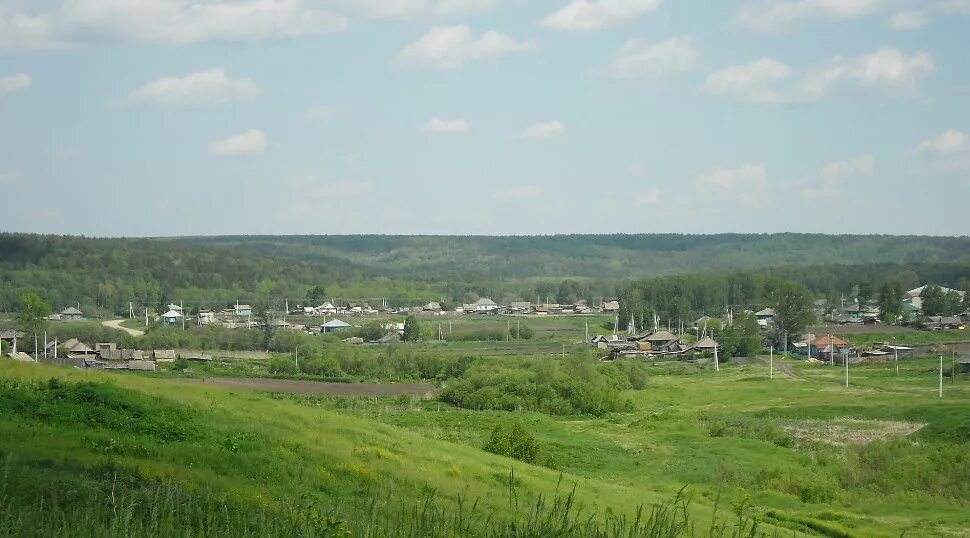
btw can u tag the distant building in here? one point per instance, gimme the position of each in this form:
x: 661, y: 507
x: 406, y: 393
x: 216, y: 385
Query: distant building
x: 765, y: 317
x: 915, y: 296
x: 243, y: 311
x: 611, y: 307
x: 335, y: 325
x: 171, y: 317
x: 71, y: 314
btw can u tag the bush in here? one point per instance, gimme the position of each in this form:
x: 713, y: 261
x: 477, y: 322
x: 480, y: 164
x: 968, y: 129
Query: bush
x: 96, y: 405
x: 282, y: 365
x: 515, y: 442
x: 581, y: 386
x: 521, y: 331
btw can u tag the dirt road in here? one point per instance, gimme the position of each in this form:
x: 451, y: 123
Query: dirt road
x: 116, y: 324
x: 317, y: 387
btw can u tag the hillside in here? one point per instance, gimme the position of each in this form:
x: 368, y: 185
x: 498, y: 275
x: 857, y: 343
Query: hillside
x: 597, y: 256
x: 106, y: 275
x: 96, y: 453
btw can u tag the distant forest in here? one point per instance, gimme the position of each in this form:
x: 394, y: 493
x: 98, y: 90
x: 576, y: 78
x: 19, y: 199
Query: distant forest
x: 105, y: 275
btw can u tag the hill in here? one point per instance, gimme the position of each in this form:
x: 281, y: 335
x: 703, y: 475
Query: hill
x: 107, y: 275
x: 616, y: 256
x: 99, y: 453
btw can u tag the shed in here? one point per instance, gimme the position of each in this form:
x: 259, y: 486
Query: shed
x: 164, y: 355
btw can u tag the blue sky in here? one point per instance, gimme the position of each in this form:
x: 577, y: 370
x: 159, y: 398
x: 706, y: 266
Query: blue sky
x: 174, y: 117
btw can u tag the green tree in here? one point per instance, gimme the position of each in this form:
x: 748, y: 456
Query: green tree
x: 32, y: 318
x: 743, y: 339
x: 938, y: 302
x: 412, y: 330
x: 865, y: 292
x: 370, y: 331
x: 316, y: 295
x: 891, y: 301
x: 792, y: 304
x: 263, y: 315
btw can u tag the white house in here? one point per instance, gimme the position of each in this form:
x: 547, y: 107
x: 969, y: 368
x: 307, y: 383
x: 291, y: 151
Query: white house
x: 171, y: 317
x: 765, y: 317
x: 335, y: 325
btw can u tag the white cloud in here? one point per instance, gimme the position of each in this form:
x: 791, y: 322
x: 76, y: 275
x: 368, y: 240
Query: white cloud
x: 413, y: 9
x: 451, y: 47
x: 747, y: 177
x: 584, y: 15
x: 761, y: 81
x: 648, y: 197
x: 636, y: 60
x: 543, y: 130
x: 14, y: 83
x: 520, y: 193
x: 447, y: 127
x: 884, y: 67
x: 246, y: 143
x: 212, y: 86
x: 777, y: 15
x: 909, y: 19
x: 835, y: 171
x: 176, y: 22
x: 24, y: 31
x: 749, y: 82
x: 950, y: 141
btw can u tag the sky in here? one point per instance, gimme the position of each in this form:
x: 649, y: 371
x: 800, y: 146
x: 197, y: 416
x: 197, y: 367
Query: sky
x: 489, y: 117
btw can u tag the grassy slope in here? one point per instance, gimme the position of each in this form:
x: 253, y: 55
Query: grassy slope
x: 666, y: 444
x: 288, y: 450
x: 339, y: 450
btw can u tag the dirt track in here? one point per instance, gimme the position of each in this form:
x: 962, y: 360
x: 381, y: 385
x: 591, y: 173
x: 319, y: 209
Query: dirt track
x: 116, y: 324
x: 317, y: 387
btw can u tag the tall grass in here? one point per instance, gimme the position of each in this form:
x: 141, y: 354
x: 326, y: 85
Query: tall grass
x: 48, y: 499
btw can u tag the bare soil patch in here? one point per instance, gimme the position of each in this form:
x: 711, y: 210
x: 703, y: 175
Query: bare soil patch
x: 850, y: 431
x: 319, y: 387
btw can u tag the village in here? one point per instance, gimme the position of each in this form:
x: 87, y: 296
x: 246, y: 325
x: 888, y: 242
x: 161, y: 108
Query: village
x: 700, y: 340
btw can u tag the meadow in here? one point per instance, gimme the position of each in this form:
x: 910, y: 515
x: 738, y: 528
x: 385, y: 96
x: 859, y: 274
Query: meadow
x: 695, y: 453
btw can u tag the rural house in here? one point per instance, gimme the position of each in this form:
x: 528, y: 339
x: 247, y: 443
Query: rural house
x: 71, y: 314
x: 765, y: 317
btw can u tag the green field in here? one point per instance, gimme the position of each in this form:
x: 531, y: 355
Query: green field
x: 799, y: 454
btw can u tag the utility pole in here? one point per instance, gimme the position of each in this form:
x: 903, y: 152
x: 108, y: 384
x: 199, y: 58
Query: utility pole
x: 182, y: 311
x: 564, y: 357
x: 296, y: 358
x: 771, y: 363
x: 587, y: 330
x: 831, y: 351
x: 717, y: 366
x: 45, y: 344
x: 146, y: 316
x: 508, y: 330
x: 845, y: 357
x: 896, y: 355
x: 941, y: 376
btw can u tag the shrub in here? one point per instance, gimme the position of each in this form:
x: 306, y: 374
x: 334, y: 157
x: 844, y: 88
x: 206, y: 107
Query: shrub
x: 282, y: 365
x: 515, y: 442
